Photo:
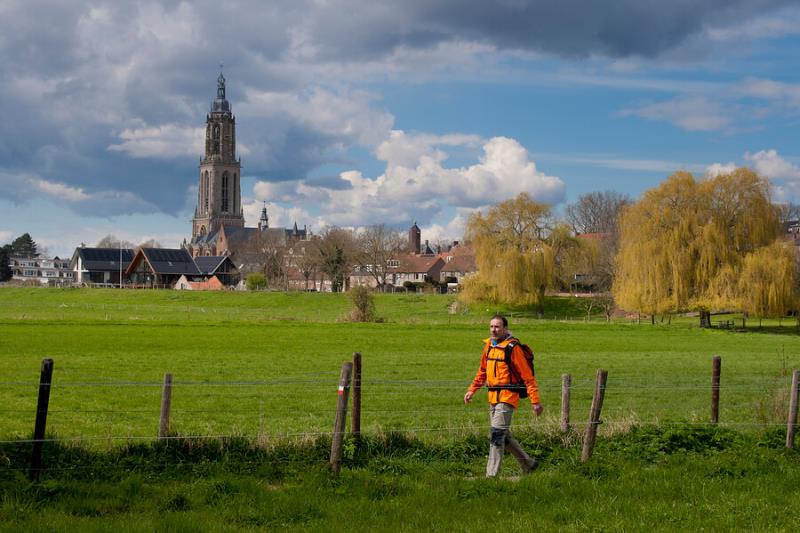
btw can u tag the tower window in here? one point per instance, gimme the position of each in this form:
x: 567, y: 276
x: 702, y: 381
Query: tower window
x: 224, y: 192
x: 205, y: 188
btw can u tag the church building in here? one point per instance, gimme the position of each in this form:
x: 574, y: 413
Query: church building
x: 218, y: 223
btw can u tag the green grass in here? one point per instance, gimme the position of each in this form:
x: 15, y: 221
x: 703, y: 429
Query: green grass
x: 261, y: 371
x: 239, y: 370
x: 647, y: 479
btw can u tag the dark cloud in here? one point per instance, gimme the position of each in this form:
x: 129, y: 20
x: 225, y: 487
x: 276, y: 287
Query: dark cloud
x: 570, y: 28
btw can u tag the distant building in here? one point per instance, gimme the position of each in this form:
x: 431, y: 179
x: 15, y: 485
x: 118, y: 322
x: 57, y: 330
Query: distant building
x: 43, y: 270
x: 218, y: 224
x: 211, y: 284
x: 99, y: 265
x: 219, y: 267
x: 459, y: 261
x: 160, y: 267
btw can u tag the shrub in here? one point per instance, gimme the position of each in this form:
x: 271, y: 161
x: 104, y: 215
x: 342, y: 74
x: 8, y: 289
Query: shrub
x: 363, y: 304
x: 256, y: 282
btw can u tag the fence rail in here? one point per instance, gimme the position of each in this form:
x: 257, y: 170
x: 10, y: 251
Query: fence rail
x: 386, y: 405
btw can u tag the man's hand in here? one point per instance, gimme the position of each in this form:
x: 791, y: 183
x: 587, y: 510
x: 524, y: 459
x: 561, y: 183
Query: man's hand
x: 468, y: 397
x: 537, y: 408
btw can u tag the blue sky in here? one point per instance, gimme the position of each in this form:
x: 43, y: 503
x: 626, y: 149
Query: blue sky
x: 353, y: 113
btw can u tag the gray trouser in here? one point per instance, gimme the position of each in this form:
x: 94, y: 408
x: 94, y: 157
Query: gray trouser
x: 500, y: 419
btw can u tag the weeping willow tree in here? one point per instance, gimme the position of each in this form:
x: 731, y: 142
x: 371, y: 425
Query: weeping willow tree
x: 768, y: 282
x: 683, y: 245
x: 514, y: 257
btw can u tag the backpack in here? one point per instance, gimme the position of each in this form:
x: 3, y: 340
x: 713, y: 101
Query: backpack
x: 516, y: 385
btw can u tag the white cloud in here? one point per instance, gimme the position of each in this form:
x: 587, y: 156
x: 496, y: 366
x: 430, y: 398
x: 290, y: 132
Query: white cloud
x: 692, y: 113
x: 768, y: 163
x: 280, y: 216
x: 403, y: 150
x: 59, y: 190
x: 775, y: 92
x: 344, y: 116
x: 5, y: 236
x: 716, y: 169
x: 452, y: 231
x: 784, y: 176
x: 165, y: 141
x: 416, y: 185
x: 765, y: 27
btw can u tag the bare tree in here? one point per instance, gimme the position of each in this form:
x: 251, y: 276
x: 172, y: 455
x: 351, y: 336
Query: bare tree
x: 789, y: 213
x: 112, y: 241
x: 150, y: 243
x: 596, y: 212
x: 336, y: 251
x: 376, y: 246
x: 306, y: 260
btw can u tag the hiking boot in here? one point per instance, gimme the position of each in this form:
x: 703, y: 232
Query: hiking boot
x: 531, y: 466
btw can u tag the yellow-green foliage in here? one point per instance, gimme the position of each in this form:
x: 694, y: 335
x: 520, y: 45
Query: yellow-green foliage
x: 514, y: 259
x: 683, y: 245
x: 767, y: 283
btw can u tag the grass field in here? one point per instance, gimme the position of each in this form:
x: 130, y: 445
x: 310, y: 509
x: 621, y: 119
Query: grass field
x: 267, y: 364
x: 264, y: 368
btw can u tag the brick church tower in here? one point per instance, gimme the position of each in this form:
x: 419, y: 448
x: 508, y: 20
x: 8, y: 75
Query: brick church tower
x: 219, y: 197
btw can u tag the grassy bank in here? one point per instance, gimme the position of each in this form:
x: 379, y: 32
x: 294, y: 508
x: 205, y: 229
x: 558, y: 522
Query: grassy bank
x: 647, y: 479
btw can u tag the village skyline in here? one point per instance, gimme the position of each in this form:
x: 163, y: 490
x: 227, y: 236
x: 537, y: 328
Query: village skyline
x: 384, y: 115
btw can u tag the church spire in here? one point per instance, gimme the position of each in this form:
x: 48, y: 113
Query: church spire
x: 221, y: 104
x: 263, y: 223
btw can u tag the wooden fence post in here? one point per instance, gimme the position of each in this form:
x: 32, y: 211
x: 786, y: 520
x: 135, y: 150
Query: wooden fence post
x: 341, y: 416
x: 566, y: 382
x: 45, y: 380
x: 716, y: 366
x: 792, y: 420
x: 166, y: 402
x: 594, y: 415
x: 356, y: 418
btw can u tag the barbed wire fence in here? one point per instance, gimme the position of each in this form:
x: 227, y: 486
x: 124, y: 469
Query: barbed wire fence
x: 287, y: 409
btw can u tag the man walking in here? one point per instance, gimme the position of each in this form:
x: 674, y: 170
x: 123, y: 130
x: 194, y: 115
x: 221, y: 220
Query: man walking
x: 500, y: 370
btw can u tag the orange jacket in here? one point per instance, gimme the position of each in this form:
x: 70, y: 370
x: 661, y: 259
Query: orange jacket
x: 494, y: 371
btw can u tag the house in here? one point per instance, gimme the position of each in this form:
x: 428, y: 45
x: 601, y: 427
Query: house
x: 459, y: 261
x: 45, y: 271
x: 219, y: 266
x: 414, y: 269
x: 211, y: 284
x: 161, y: 267
x: 99, y: 265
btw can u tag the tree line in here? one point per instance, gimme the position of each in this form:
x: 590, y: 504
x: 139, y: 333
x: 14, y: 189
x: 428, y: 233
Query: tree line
x: 332, y: 254
x: 715, y: 243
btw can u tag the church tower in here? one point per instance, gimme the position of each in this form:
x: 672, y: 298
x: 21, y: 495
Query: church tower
x: 219, y: 197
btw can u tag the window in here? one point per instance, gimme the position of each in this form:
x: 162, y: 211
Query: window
x: 29, y: 273
x: 224, y: 192
x: 205, y: 189
x: 393, y: 263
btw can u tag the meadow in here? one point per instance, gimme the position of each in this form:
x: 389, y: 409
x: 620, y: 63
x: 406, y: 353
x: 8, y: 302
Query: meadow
x: 261, y: 370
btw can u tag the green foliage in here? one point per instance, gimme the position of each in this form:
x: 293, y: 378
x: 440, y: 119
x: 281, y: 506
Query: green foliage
x: 256, y: 281
x: 5, y: 270
x: 649, y: 479
x: 515, y: 259
x: 767, y: 284
x: 363, y: 304
x: 683, y: 245
x: 24, y: 246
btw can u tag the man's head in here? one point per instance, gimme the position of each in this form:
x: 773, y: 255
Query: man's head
x: 498, y: 327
